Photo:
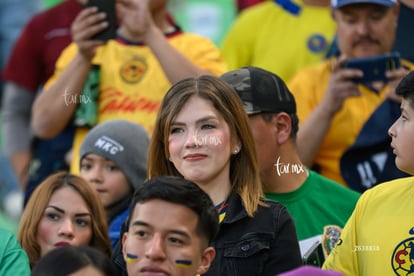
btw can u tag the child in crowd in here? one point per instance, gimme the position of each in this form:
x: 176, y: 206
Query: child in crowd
x: 113, y: 160
x: 378, y: 238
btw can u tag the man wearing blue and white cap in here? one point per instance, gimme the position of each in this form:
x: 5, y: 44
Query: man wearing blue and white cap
x: 340, y: 3
x: 365, y: 27
x: 335, y: 105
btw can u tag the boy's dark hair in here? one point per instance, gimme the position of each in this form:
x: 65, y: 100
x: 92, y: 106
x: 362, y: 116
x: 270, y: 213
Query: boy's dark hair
x: 178, y: 190
x: 69, y: 259
x: 406, y: 88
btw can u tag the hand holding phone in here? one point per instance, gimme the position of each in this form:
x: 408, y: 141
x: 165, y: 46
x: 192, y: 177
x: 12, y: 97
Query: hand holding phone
x: 374, y: 67
x: 108, y: 7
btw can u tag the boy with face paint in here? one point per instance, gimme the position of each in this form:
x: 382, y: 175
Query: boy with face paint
x: 171, y: 224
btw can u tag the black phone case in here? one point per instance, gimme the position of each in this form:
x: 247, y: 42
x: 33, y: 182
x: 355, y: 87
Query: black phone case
x: 314, y: 256
x: 108, y: 7
x: 374, y: 67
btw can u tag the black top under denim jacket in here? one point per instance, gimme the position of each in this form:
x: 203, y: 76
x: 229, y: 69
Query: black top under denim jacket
x: 263, y: 245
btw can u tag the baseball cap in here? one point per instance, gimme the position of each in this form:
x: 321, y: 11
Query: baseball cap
x: 261, y: 91
x: 340, y: 3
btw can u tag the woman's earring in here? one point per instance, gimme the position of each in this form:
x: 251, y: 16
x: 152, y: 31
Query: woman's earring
x: 236, y: 150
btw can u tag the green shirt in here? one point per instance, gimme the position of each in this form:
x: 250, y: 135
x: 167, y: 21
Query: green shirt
x: 51, y: 3
x: 317, y: 203
x: 13, y: 259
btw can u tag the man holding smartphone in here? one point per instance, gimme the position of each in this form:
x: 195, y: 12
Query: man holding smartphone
x: 333, y: 107
x: 148, y: 54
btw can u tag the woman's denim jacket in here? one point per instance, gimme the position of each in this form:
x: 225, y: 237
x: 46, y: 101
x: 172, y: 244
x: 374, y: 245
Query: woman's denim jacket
x: 263, y: 245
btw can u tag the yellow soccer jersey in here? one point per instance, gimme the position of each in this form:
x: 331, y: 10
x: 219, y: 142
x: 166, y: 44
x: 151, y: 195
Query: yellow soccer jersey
x: 132, y: 82
x: 378, y: 239
x: 309, y: 87
x: 270, y: 37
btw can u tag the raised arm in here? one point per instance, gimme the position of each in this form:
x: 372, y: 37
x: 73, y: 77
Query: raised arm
x: 54, y: 107
x: 175, y: 65
x: 314, y: 128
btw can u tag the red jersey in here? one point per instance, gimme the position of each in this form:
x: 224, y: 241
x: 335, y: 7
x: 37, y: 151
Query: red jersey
x: 40, y: 44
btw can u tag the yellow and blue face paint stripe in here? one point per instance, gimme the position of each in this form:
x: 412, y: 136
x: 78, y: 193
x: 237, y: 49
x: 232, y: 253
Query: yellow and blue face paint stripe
x: 182, y: 263
x: 130, y: 258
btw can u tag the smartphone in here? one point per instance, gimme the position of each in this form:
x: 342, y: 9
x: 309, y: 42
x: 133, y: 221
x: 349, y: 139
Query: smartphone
x: 314, y: 256
x: 108, y: 7
x: 374, y: 67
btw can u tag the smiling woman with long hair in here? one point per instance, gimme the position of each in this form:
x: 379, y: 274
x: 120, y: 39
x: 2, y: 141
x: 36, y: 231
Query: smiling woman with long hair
x: 202, y: 133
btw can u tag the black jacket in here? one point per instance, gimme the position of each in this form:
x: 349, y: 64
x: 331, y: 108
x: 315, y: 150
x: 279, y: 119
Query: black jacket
x: 263, y: 245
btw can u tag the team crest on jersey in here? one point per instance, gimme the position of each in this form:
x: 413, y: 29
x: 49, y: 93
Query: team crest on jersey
x: 402, y: 260
x: 317, y: 43
x: 133, y: 70
x: 330, y: 238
